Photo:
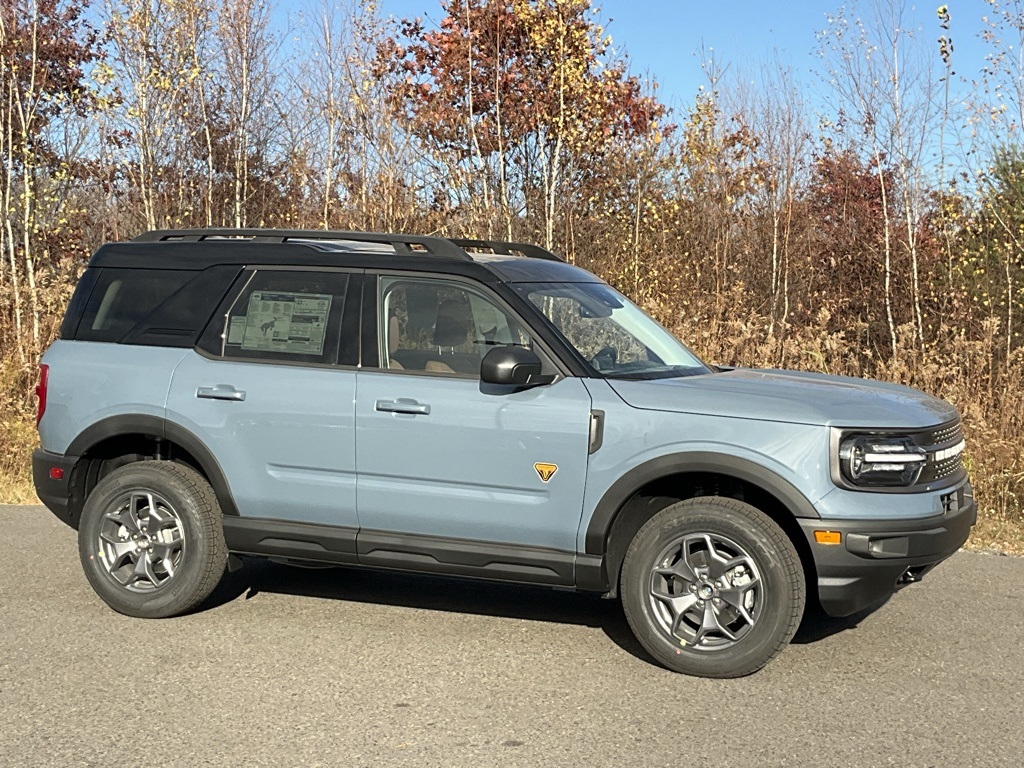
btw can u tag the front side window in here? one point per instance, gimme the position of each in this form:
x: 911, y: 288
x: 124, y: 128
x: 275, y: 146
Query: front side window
x: 440, y: 326
x: 615, y: 336
x: 283, y: 315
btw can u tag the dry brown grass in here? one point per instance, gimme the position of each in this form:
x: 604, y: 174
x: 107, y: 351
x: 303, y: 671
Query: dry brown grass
x: 17, y: 441
x: 18, y: 436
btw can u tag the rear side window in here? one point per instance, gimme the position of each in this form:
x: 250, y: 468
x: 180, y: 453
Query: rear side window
x: 291, y: 316
x: 122, y: 298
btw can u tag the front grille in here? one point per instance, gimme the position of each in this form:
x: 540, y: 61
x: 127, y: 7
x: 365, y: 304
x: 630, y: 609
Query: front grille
x: 947, y: 433
x: 935, y: 441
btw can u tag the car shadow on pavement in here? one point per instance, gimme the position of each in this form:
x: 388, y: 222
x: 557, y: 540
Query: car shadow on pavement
x: 817, y: 625
x: 439, y: 593
x: 427, y: 592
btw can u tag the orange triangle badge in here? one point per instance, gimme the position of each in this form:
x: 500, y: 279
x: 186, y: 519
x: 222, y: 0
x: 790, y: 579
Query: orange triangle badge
x: 546, y: 471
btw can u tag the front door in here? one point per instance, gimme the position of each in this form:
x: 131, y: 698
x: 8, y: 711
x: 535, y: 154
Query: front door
x: 453, y: 471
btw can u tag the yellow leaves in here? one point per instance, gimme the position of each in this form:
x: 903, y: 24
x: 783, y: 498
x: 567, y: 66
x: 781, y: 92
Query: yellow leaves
x: 103, y: 73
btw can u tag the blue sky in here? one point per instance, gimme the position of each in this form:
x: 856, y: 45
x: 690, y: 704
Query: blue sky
x: 662, y: 38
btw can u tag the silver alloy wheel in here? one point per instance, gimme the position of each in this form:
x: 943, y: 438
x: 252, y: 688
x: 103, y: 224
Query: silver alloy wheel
x: 141, y: 541
x: 706, y: 591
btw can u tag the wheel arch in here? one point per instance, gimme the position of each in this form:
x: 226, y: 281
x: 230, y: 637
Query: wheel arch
x: 649, y: 487
x: 118, y: 440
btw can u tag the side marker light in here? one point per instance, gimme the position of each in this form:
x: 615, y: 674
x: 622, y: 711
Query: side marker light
x: 828, y: 537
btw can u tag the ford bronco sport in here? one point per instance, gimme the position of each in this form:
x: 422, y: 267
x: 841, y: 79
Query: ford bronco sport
x: 480, y: 409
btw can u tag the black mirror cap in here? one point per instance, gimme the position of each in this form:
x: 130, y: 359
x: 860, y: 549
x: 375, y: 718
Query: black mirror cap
x: 512, y: 366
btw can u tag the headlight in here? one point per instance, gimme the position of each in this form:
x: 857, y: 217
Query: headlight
x: 879, y: 461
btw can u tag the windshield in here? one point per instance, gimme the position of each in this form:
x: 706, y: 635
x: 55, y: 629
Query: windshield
x: 615, y: 336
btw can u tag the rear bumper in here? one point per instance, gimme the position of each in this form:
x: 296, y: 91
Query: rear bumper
x: 54, y: 492
x: 877, y: 557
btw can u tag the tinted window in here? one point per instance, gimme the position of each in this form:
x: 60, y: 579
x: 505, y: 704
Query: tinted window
x: 79, y: 300
x: 282, y: 315
x: 123, y: 297
x: 179, y: 320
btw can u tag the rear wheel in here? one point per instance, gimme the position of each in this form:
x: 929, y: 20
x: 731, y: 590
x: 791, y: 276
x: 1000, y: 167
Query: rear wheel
x: 712, y: 587
x: 151, y: 539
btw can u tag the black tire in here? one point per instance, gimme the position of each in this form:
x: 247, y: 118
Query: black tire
x: 165, y: 513
x: 664, y: 605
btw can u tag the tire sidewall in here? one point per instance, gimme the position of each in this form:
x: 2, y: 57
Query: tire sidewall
x: 198, y: 550
x: 761, y: 643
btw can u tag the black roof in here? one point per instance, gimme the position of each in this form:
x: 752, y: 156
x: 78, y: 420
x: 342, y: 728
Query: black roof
x: 197, y: 249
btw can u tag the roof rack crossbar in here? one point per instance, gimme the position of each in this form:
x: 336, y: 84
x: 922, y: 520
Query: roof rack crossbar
x: 506, y: 248
x: 432, y: 246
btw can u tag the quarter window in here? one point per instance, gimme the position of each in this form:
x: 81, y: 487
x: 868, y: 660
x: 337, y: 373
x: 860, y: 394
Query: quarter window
x: 124, y: 297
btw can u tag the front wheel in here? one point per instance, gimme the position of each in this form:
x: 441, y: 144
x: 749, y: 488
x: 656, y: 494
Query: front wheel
x: 151, y: 539
x: 712, y: 587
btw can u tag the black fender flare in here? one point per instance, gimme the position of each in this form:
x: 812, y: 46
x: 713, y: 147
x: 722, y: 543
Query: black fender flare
x: 158, y: 427
x: 748, y: 471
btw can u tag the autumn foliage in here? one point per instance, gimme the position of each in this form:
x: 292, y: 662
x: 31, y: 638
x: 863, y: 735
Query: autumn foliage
x: 871, y: 242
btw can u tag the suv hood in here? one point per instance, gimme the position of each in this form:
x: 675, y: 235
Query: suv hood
x: 789, y: 396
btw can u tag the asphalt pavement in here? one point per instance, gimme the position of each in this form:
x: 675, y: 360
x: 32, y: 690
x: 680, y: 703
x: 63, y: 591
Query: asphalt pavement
x: 338, y: 667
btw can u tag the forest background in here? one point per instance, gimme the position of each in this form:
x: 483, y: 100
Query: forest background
x: 879, y: 234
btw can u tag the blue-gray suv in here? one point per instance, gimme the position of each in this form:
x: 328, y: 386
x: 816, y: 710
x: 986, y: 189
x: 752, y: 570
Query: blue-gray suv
x: 472, y: 408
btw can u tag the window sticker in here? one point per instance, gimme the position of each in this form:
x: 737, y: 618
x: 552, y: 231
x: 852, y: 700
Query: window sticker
x: 236, y: 332
x: 280, y: 321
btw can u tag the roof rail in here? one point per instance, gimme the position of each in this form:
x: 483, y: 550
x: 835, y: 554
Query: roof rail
x: 506, y: 248
x: 449, y: 248
x: 437, y: 247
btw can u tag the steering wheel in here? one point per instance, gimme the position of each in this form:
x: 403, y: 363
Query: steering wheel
x: 605, y: 358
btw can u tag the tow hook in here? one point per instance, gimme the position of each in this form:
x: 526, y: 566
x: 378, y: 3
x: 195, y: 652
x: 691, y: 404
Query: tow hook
x: 911, y: 576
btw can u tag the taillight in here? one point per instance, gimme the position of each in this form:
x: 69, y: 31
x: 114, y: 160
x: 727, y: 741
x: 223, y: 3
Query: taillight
x: 44, y: 378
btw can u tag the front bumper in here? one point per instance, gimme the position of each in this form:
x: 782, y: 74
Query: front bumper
x: 877, y: 557
x: 54, y: 492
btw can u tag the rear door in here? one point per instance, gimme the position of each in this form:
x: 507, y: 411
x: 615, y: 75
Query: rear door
x: 270, y: 392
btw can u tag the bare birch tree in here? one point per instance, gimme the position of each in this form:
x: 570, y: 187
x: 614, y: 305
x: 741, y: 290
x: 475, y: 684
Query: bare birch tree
x: 248, y: 48
x: 41, y: 78
x: 882, y: 84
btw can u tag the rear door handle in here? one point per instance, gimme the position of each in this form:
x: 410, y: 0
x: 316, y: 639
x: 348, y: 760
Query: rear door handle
x: 220, y: 392
x: 402, y: 405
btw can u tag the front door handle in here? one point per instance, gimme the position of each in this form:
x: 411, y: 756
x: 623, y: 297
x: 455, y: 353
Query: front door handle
x: 402, y: 405
x: 220, y: 392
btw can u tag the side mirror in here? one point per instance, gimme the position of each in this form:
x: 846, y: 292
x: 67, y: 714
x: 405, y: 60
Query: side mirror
x: 512, y: 366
